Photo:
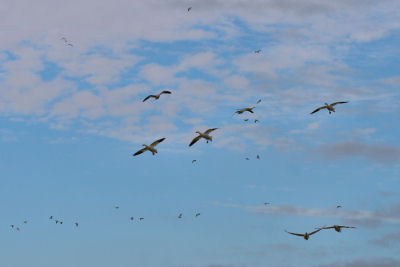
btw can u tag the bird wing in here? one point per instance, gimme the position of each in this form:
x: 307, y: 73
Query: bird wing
x: 140, y: 151
x: 316, y: 231
x: 165, y: 92
x: 326, y: 227
x: 294, y: 233
x: 343, y: 226
x: 210, y: 130
x: 195, y: 140
x: 157, y: 142
x: 318, y: 109
x: 343, y: 102
x: 147, y: 97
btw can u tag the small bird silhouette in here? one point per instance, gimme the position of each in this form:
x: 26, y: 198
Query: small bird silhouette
x: 141, y: 218
x: 338, y: 228
x: 190, y: 8
x: 306, y: 235
x: 266, y: 203
x: 17, y: 228
x: 193, y: 161
x: 51, y: 218
x: 150, y: 148
x: 257, y: 51
x: 25, y: 222
x: 116, y: 207
x: 206, y: 135
x: 76, y: 224
x: 246, y: 119
x: 197, y: 214
x: 329, y: 107
x: 61, y: 222
x: 258, y: 156
x: 12, y: 225
x: 157, y: 96
x: 247, y: 159
x: 338, y: 206
x: 131, y: 218
x: 56, y: 221
x: 242, y: 110
x: 180, y: 216
x: 258, y: 101
x: 256, y: 121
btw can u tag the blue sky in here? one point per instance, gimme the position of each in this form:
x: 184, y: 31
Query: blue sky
x: 71, y: 117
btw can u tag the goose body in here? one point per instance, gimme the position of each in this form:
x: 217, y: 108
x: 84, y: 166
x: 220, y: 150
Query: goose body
x: 150, y: 147
x: 206, y: 135
x: 306, y: 235
x: 242, y: 110
x: 329, y: 107
x: 157, y: 96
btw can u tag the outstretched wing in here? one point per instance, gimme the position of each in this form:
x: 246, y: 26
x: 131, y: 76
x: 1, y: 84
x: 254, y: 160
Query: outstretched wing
x: 149, y: 97
x: 343, y: 226
x: 294, y: 233
x: 316, y: 231
x: 165, y: 92
x: 325, y: 227
x: 210, y: 130
x: 140, y: 151
x: 343, y: 102
x: 318, y: 109
x: 157, y: 142
x: 195, y: 140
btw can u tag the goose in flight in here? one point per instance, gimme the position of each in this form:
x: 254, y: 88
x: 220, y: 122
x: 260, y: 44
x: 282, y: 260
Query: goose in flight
x: 193, y: 161
x: 338, y: 206
x: 305, y: 235
x: 189, y: 9
x: 338, y: 228
x: 258, y: 101
x: 242, y: 110
x: 247, y: 159
x: 61, y: 222
x: 141, y: 218
x: 197, y: 214
x: 56, y: 221
x: 255, y: 121
x: 12, y: 225
x: 157, y: 96
x: 25, y: 222
x: 258, y: 156
x: 17, y: 228
x: 246, y: 119
x: 76, y: 224
x: 206, y: 135
x: 51, y: 217
x: 150, y: 147
x: 116, y: 207
x: 329, y: 107
x: 132, y: 218
x: 257, y: 51
x: 180, y: 216
x: 267, y: 203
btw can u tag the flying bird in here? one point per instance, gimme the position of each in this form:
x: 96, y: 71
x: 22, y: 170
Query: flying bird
x: 56, y: 221
x: 141, y: 218
x: 258, y: 101
x: 242, y: 110
x: 338, y: 228
x: 257, y: 51
x: 131, y: 218
x: 246, y: 119
x: 197, y: 214
x: 150, y: 147
x: 116, y: 207
x: 17, y: 228
x: 338, y: 206
x: 255, y: 121
x: 266, y: 203
x: 329, y: 107
x: 25, y: 222
x: 258, y: 156
x: 157, y: 96
x: 61, y: 222
x: 193, y: 161
x: 76, y: 224
x: 206, y: 135
x: 51, y: 218
x: 305, y: 235
x: 247, y: 159
x: 12, y: 225
x: 189, y: 9
x: 180, y: 216
x: 66, y: 42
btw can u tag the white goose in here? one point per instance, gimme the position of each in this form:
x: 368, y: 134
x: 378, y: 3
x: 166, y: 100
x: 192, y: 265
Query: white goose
x: 150, y: 147
x: 206, y: 135
x: 242, y: 110
x: 157, y: 96
x: 329, y: 107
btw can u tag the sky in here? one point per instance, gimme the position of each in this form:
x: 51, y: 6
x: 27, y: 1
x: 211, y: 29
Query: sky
x: 71, y: 116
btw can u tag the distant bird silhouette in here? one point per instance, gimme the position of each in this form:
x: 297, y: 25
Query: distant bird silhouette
x: 190, y: 8
x: 193, y: 161
x: 266, y: 203
x: 197, y: 214
x: 76, y: 224
x: 180, y: 216
x: 61, y: 222
x: 258, y: 101
x: 338, y: 228
x: 247, y: 159
x: 157, y: 96
x: 255, y: 121
x: 66, y: 42
x: 338, y: 206
x: 150, y: 147
x: 329, y: 107
x: 246, y: 119
x: 257, y: 51
x: 12, y: 225
x: 51, y: 218
x: 258, y: 156
x: 306, y: 235
x: 17, y: 228
x: 242, y: 110
x: 206, y: 135
x: 56, y: 221
x: 131, y: 218
x: 116, y: 207
x: 141, y: 218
